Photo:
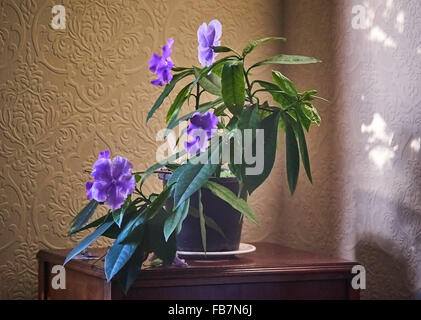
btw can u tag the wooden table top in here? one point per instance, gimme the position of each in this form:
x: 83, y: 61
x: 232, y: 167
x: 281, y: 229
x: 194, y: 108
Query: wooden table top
x: 268, y: 258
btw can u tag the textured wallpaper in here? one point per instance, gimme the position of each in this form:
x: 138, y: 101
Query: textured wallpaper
x: 67, y: 94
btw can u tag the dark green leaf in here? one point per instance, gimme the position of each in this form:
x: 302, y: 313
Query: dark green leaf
x: 129, y: 273
x: 164, y: 162
x: 228, y: 196
x: 178, y: 103
x: 233, y: 87
x: 292, y: 156
x: 303, y: 149
x: 270, y: 127
x: 209, y: 221
x: 167, y: 90
x: 202, y: 221
x: 176, y: 218
x: 219, y: 49
x: 250, y: 47
x: 87, y: 241
x: 83, y: 217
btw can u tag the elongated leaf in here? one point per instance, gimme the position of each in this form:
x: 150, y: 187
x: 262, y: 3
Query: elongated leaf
x: 269, y: 125
x: 211, y: 82
x: 284, y: 83
x: 233, y: 87
x: 120, y: 253
x: 175, y: 218
x: 219, y: 49
x: 303, y: 150
x: 83, y: 217
x: 286, y: 59
x: 252, y: 45
x: 228, y: 196
x: 302, y: 118
x: 128, y: 274
x: 311, y: 113
x: 202, y: 221
x: 178, y: 103
x: 87, y: 241
x: 167, y: 90
x: 292, y: 156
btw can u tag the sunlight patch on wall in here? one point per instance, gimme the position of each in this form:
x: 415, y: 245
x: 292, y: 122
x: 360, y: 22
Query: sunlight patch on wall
x: 379, y: 142
x: 378, y: 35
x: 416, y: 144
x: 400, y: 22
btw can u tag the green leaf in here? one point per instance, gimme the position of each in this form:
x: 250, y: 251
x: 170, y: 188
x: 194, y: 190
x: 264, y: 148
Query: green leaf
x: 292, y: 156
x: 175, y: 219
x: 195, y: 173
x: 211, y: 82
x: 178, y: 103
x: 233, y: 87
x: 129, y: 273
x: 284, y: 83
x: 270, y: 127
x: 118, y: 216
x: 120, y: 253
x: 311, y: 113
x: 220, y: 49
x: 286, y: 59
x: 83, y: 217
x: 228, y: 196
x: 303, y: 149
x: 87, y: 241
x: 252, y: 45
x: 283, y: 99
x: 167, y: 90
x: 202, y: 221
x: 302, y: 117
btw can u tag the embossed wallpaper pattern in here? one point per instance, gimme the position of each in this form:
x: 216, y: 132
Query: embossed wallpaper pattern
x: 67, y: 94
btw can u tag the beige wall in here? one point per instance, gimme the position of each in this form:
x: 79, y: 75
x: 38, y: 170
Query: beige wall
x: 66, y: 95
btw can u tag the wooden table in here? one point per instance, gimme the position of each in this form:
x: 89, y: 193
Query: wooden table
x: 271, y: 272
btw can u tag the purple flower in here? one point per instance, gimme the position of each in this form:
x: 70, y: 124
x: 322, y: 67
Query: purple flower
x: 162, y: 65
x: 114, y: 180
x: 201, y: 128
x: 208, y: 37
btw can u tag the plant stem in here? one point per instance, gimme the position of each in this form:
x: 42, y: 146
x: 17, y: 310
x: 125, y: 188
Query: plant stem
x: 197, y: 96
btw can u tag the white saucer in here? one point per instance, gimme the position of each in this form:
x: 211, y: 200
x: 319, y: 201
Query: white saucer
x: 244, y: 248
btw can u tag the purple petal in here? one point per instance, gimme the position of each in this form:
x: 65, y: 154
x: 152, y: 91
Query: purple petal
x: 126, y: 184
x: 104, y: 154
x: 216, y: 25
x: 101, y: 171
x: 210, y: 36
x: 167, y: 49
x: 155, y: 61
x: 166, y: 76
x: 120, y: 166
x: 99, y: 191
x: 201, y: 35
x: 157, y: 82
x: 88, y: 187
x: 115, y: 197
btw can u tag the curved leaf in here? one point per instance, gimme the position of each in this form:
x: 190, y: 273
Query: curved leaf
x: 292, y: 155
x: 286, y: 59
x: 83, y: 217
x: 233, y: 87
x: 252, y: 45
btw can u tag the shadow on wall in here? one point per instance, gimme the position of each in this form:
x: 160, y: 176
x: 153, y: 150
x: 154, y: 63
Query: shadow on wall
x: 387, y: 245
x: 387, y: 272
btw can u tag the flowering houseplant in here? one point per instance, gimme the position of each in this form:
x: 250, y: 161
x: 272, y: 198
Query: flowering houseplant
x: 143, y: 224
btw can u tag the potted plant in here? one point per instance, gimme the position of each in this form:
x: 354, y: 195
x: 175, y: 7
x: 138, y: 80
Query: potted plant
x: 230, y: 151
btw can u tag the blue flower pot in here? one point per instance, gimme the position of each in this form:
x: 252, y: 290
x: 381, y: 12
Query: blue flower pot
x: 229, y: 220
